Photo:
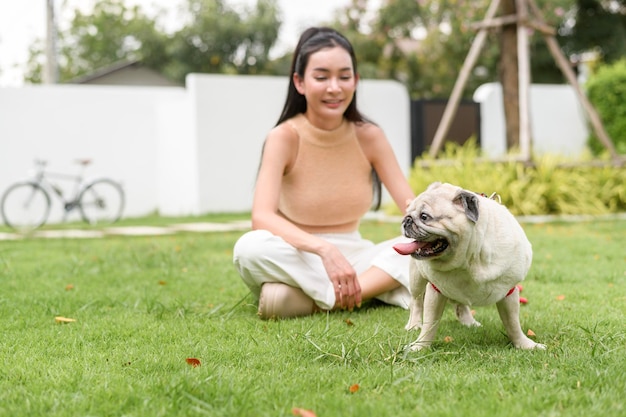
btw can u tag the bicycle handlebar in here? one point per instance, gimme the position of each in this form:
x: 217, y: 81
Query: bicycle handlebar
x: 81, y: 161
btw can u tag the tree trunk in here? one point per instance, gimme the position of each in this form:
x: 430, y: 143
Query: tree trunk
x: 51, y: 71
x: 509, y: 76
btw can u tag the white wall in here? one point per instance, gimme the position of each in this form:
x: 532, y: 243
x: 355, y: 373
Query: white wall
x: 177, y: 151
x: 195, y: 150
x: 176, y: 169
x: 233, y: 115
x: 116, y: 126
x: 558, y: 124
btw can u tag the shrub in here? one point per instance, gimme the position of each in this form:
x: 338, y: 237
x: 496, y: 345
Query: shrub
x: 606, y: 90
x: 549, y: 186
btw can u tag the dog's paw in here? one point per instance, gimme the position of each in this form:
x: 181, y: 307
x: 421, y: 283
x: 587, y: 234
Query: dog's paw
x: 465, y: 316
x: 529, y: 344
x: 470, y: 323
x: 413, y: 326
x: 417, y: 346
x: 537, y: 346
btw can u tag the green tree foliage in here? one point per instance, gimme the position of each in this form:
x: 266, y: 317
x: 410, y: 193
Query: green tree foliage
x: 220, y: 40
x: 598, y: 25
x: 353, y: 22
x: 552, y: 185
x: 110, y: 33
x: 543, y: 66
x: 447, y: 37
x: 607, y: 91
x: 216, y: 39
x: 422, y: 43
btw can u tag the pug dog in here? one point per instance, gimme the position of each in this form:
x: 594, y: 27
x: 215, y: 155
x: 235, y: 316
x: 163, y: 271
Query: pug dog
x: 467, y: 248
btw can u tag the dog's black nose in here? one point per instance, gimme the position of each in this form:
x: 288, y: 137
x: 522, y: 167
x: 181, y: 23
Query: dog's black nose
x: 407, y: 222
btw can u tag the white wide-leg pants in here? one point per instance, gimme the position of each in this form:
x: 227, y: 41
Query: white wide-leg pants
x: 262, y: 257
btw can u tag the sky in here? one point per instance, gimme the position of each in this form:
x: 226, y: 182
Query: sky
x: 24, y: 21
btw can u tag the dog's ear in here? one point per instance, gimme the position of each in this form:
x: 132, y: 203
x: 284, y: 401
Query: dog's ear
x: 433, y: 185
x: 469, y: 202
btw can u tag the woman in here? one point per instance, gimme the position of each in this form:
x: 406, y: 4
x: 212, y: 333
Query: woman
x: 321, y: 166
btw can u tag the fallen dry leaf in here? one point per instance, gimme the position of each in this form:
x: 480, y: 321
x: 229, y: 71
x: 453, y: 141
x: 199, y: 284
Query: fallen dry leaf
x: 60, y: 319
x: 530, y: 333
x: 349, y: 322
x: 354, y: 388
x: 301, y: 412
x: 193, y: 362
x: 448, y: 339
x: 69, y: 287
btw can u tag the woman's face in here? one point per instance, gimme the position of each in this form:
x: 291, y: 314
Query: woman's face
x: 328, y: 84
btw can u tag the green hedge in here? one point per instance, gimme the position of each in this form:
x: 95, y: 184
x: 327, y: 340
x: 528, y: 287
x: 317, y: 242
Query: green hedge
x: 547, y: 187
x: 606, y: 90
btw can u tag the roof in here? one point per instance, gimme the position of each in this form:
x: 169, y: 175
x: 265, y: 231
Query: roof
x: 127, y: 72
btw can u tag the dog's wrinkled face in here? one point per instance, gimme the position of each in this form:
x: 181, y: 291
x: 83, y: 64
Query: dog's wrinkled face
x: 437, y: 221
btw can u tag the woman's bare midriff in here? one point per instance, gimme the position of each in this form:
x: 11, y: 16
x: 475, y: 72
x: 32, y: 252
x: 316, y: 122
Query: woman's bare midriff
x: 322, y: 229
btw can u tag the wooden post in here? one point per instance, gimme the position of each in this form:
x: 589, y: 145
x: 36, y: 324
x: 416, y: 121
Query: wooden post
x: 567, y: 71
x: 508, y: 71
x: 51, y: 73
x: 453, y: 102
x: 524, y: 22
x: 523, y: 63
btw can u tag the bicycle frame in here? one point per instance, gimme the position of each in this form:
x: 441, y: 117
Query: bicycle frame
x: 42, y: 178
x: 26, y: 204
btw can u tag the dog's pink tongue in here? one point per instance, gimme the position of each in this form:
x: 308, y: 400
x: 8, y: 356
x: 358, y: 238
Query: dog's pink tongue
x: 407, y: 248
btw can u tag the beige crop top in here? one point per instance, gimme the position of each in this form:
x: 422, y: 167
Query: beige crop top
x: 329, y: 187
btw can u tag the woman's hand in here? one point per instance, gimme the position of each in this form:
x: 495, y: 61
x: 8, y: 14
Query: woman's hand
x: 343, y: 277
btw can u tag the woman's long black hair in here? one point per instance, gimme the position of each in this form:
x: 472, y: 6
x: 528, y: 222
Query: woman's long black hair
x: 312, y: 40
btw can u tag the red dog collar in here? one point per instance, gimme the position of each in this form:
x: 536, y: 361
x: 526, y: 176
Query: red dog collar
x: 507, y: 294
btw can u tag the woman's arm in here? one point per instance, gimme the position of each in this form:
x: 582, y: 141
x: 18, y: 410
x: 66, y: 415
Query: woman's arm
x: 380, y: 153
x: 279, y: 154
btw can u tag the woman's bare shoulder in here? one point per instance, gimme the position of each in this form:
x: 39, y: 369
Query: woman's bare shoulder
x: 284, y: 133
x: 281, y: 144
x: 369, y: 134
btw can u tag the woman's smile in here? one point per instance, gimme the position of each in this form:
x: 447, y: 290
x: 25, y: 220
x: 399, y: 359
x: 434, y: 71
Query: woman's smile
x: 333, y: 103
x: 329, y: 84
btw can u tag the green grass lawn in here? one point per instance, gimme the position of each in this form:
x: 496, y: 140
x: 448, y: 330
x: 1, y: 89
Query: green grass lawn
x: 143, y: 305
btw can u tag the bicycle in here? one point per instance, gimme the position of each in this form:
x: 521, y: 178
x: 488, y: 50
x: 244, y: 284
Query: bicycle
x: 26, y: 205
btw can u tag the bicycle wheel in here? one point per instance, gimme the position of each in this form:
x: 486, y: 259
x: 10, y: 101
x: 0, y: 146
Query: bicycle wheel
x: 25, y: 206
x: 101, y: 202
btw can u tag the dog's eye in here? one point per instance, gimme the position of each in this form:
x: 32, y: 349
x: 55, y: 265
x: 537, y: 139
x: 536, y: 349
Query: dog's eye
x: 424, y: 217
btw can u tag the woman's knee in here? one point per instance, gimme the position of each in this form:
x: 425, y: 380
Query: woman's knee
x: 252, y: 246
x: 248, y: 244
